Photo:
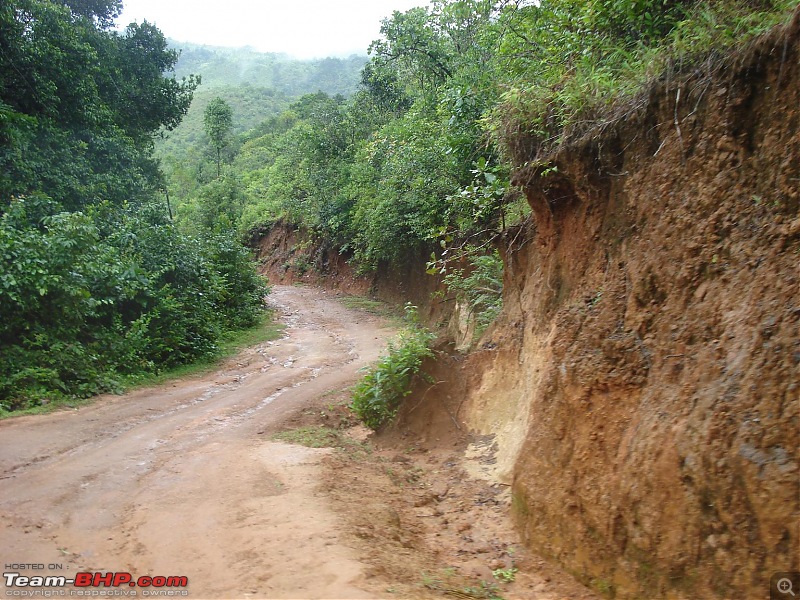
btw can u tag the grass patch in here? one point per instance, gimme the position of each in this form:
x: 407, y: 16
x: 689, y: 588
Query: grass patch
x: 232, y: 343
x: 266, y: 330
x: 318, y: 436
x: 369, y: 305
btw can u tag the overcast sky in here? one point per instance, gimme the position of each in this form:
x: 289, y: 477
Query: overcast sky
x: 301, y: 28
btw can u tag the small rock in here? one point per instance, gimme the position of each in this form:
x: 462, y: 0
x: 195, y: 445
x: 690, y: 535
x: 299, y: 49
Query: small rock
x: 424, y: 500
x: 439, y: 490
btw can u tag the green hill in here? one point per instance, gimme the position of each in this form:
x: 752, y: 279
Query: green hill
x: 222, y: 67
x: 256, y: 85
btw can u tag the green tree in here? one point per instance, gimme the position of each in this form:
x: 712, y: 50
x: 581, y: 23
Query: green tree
x: 96, y: 283
x: 80, y: 104
x: 218, y: 122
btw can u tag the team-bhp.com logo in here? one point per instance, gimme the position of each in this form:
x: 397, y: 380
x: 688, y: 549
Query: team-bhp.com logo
x: 94, y: 584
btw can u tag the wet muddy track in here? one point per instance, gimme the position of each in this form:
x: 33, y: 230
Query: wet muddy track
x: 183, y: 479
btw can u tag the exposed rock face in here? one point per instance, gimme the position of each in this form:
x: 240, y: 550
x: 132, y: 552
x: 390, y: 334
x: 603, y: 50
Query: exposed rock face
x: 644, y: 380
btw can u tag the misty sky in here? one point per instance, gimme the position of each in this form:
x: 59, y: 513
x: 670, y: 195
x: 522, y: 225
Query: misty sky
x: 301, y: 28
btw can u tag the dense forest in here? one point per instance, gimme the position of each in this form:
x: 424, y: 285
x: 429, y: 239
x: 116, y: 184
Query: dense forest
x: 455, y: 97
x: 99, y: 283
x: 256, y: 85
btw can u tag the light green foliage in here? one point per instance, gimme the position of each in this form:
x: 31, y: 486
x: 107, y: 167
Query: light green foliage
x: 455, y: 95
x: 375, y: 174
x: 259, y: 89
x: 505, y: 575
x: 378, y: 395
x: 568, y: 61
x: 246, y: 68
x: 480, y: 286
x: 257, y: 86
x: 218, y: 123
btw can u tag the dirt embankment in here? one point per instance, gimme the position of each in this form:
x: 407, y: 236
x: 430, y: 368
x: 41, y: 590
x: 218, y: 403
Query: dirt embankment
x: 642, y: 382
x: 289, y: 254
x: 207, y: 478
x: 642, y: 386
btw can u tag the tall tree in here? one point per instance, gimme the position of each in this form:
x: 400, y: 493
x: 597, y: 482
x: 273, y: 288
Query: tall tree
x: 218, y: 121
x: 80, y: 104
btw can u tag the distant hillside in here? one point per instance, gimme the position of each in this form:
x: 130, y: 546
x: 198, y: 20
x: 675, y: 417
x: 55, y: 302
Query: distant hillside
x: 220, y: 67
x: 257, y: 85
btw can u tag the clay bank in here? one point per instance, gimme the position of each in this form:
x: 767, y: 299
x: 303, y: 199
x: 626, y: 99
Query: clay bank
x: 642, y: 380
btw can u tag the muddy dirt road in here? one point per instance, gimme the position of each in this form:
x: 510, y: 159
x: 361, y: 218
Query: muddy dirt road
x: 183, y: 480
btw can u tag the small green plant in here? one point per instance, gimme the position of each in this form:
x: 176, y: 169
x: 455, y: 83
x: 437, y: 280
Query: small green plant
x: 377, y: 397
x: 505, y: 575
x: 374, y: 307
x: 481, y: 287
x: 302, y: 265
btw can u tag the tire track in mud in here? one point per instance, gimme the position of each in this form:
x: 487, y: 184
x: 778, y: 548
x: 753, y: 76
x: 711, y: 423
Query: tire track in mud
x: 179, y: 479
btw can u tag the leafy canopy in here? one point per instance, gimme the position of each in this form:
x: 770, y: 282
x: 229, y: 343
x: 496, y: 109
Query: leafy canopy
x: 97, y: 285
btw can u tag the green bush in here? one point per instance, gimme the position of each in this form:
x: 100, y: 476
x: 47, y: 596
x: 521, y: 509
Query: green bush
x: 481, y: 287
x: 377, y: 397
x: 90, y: 299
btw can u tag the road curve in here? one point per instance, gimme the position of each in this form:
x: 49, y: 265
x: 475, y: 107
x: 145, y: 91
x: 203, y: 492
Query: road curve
x: 182, y: 479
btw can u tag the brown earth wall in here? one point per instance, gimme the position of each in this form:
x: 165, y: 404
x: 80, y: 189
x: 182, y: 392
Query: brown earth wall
x: 643, y: 380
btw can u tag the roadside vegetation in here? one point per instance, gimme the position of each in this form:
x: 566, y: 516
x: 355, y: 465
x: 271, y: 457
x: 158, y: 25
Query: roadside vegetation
x: 121, y: 243
x: 98, y: 286
x: 377, y: 397
x: 456, y: 96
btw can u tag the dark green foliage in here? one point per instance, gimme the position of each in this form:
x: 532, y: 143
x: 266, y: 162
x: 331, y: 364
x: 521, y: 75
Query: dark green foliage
x: 97, y: 286
x: 87, y: 299
x: 377, y: 397
x: 104, y: 11
x: 80, y: 104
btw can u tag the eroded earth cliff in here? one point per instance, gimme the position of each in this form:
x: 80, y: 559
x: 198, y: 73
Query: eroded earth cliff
x: 643, y: 378
x: 642, y: 382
